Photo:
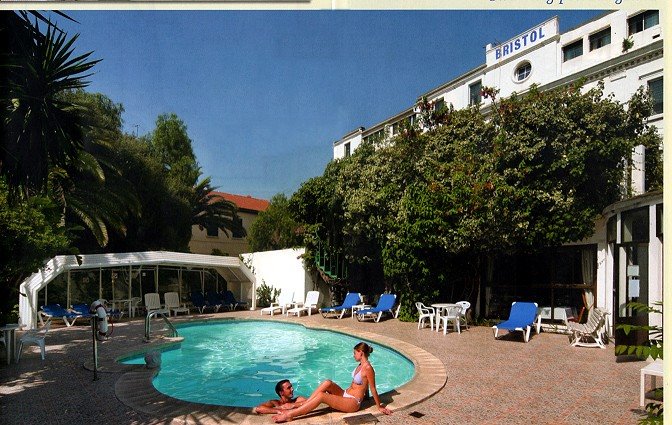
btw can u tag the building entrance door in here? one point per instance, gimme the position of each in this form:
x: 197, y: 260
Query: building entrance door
x: 632, y: 285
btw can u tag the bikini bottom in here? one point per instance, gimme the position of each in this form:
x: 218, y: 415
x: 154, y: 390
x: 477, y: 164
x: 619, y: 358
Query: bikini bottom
x: 346, y: 395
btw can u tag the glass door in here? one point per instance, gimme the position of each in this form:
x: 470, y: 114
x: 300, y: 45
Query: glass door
x: 631, y: 264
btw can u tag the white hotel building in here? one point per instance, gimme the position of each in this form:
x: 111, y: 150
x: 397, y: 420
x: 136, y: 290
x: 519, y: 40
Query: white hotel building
x: 622, y: 261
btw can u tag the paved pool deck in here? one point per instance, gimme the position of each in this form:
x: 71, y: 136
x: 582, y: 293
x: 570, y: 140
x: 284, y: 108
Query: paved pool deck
x: 467, y: 378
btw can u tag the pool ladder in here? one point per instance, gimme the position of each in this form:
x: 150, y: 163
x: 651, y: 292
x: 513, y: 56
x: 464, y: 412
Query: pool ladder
x: 148, y: 323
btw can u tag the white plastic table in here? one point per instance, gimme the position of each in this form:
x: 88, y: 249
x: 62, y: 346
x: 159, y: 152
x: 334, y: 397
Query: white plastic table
x: 123, y: 304
x: 652, y: 369
x: 440, y: 306
x: 10, y: 340
x: 559, y: 313
x: 356, y: 308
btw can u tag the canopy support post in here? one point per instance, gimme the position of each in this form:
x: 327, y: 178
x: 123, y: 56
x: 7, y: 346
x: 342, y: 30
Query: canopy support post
x: 67, y: 295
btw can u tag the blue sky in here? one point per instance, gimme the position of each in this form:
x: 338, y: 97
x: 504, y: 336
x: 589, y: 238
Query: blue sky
x: 265, y: 94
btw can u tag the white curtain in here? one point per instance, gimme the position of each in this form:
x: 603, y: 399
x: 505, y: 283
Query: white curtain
x: 588, y: 271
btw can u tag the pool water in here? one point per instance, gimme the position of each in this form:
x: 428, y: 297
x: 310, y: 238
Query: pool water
x: 238, y: 363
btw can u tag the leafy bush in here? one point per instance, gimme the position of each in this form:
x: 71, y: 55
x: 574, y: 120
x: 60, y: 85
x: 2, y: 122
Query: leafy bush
x: 266, y: 295
x: 652, y: 348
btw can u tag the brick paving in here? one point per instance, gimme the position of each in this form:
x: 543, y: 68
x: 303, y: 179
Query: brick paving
x: 487, y: 381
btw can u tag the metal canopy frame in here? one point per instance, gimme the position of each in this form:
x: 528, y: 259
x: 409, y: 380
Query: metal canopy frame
x: 232, y: 269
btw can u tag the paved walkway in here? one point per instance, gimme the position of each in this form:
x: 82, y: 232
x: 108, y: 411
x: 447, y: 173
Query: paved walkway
x: 487, y: 381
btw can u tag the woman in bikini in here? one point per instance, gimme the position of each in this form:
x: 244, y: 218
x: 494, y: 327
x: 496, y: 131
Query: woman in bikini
x: 347, y: 401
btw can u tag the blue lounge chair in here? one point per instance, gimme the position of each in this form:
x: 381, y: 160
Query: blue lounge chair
x: 198, y: 300
x: 522, y: 318
x: 55, y: 311
x: 351, y: 299
x: 214, y: 300
x: 84, y: 311
x: 231, y: 302
x: 385, y: 304
x: 81, y: 309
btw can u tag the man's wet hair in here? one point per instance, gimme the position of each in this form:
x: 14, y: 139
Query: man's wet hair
x: 278, y: 386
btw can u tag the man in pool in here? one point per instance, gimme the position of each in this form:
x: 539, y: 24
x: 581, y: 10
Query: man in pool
x: 285, y: 391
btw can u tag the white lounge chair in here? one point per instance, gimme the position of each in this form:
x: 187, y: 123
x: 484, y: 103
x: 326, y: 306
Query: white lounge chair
x: 172, y: 303
x: 592, y: 333
x: 284, y: 300
x: 153, y: 303
x: 35, y: 337
x: 312, y: 299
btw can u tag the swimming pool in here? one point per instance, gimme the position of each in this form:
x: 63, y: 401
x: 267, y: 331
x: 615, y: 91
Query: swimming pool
x: 237, y: 363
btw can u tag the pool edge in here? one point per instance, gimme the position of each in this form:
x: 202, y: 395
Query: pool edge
x: 134, y: 388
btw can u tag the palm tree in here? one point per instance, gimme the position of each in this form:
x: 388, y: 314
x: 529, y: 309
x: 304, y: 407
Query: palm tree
x: 41, y: 131
x: 210, y: 209
x: 55, y: 141
x: 94, y: 191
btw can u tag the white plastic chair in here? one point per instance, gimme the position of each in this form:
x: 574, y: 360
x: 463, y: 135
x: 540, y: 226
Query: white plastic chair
x: 425, y: 313
x: 312, y: 299
x: 153, y: 303
x: 134, y: 303
x: 35, y: 337
x: 463, y: 315
x: 449, y: 314
x: 172, y: 303
x: 284, y: 300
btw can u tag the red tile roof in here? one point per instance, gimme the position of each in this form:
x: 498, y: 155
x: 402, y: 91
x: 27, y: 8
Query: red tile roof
x: 245, y: 202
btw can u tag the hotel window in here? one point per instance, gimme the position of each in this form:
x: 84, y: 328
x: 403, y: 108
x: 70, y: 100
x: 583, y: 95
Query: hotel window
x: 635, y: 225
x: 439, y: 104
x: 395, y: 128
x: 475, y: 93
x: 238, y: 230
x: 642, y: 21
x: 656, y: 92
x: 377, y: 136
x: 572, y: 51
x: 611, y: 229
x: 212, y: 230
x: 600, y: 39
x: 523, y: 71
x: 347, y: 150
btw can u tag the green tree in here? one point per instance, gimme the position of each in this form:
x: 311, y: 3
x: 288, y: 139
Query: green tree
x: 30, y: 234
x: 318, y: 206
x: 98, y: 196
x: 162, y: 170
x: 165, y: 216
x: 173, y: 147
x: 56, y: 135
x: 211, y: 210
x: 275, y: 228
x: 41, y: 131
x: 437, y: 206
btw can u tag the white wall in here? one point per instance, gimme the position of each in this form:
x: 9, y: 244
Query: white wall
x: 354, y: 139
x: 284, y: 270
